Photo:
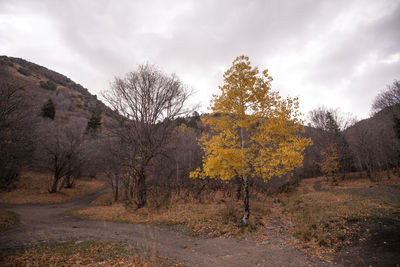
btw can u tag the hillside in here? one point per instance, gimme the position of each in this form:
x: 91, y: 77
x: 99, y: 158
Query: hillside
x: 72, y: 101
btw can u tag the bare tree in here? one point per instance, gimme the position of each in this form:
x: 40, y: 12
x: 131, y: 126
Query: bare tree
x: 388, y: 99
x: 16, y: 131
x: 363, y: 144
x: 375, y: 146
x: 63, y: 156
x: 113, y: 158
x: 148, y: 101
x: 385, y: 128
x: 323, y: 118
x: 181, y: 156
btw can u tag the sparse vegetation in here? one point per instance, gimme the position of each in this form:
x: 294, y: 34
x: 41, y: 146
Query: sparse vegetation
x: 325, y: 218
x: 23, y: 71
x: 332, y: 218
x: 82, y: 253
x: 212, y: 218
x: 48, y: 85
x: 32, y: 187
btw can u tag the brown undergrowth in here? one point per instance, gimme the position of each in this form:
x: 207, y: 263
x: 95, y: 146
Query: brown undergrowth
x: 212, y: 218
x: 82, y: 254
x: 325, y: 219
x: 329, y: 218
x: 32, y: 187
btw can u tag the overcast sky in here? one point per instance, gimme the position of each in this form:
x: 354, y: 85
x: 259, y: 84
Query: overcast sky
x: 334, y: 53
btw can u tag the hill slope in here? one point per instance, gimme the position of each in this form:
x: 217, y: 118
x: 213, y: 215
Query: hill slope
x: 72, y: 101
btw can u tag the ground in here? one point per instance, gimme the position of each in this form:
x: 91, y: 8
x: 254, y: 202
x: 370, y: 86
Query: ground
x: 81, y: 254
x: 40, y: 223
x: 32, y: 187
x: 355, y: 223
x: 349, y: 211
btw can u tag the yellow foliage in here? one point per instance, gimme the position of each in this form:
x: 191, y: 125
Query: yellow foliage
x: 252, y: 130
x: 330, y: 162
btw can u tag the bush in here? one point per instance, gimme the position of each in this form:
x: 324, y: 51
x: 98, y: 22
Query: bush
x: 94, y: 123
x: 49, y: 85
x: 9, y: 174
x: 48, y: 110
x: 23, y: 71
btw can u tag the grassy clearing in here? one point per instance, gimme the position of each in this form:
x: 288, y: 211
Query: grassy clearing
x: 7, y: 219
x: 329, y: 218
x: 32, y: 187
x: 213, y: 218
x: 85, y: 253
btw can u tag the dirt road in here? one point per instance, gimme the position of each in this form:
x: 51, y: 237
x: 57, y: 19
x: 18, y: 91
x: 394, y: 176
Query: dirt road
x: 50, y: 222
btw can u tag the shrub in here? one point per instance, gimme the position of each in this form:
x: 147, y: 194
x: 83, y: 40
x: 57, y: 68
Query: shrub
x: 9, y: 173
x: 94, y: 122
x: 48, y: 110
x: 23, y: 71
x: 49, y: 85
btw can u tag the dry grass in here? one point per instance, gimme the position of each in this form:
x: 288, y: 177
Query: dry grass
x: 104, y: 199
x: 333, y: 217
x: 211, y: 219
x: 7, y: 219
x: 32, y: 187
x: 364, y: 182
x: 82, y: 254
x: 326, y: 218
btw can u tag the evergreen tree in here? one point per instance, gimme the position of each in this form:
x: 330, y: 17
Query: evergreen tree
x: 48, y: 110
x: 94, y: 123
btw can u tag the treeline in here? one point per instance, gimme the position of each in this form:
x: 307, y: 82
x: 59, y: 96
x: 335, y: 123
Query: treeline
x: 343, y: 145
x: 150, y: 146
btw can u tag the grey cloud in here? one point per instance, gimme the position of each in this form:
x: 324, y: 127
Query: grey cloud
x: 195, y: 38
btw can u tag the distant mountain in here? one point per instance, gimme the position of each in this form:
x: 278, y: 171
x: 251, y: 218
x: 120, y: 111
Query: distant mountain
x: 72, y: 101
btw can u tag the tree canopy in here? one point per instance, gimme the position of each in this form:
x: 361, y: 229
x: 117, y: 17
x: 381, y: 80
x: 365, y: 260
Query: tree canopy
x: 148, y: 101
x: 253, y: 131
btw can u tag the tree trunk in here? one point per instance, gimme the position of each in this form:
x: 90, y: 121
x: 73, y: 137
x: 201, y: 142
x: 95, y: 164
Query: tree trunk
x: 116, y: 193
x: 343, y: 173
x: 141, y: 191
x: 132, y: 184
x: 369, y: 174
x: 69, y: 181
x: 245, y: 180
x: 239, y: 187
x: 246, y: 206
x: 54, y: 185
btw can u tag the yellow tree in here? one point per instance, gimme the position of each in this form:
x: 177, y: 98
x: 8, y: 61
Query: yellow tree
x: 252, y: 130
x: 330, y: 162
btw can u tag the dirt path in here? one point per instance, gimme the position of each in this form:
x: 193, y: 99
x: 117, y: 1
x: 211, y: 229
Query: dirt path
x: 50, y: 222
